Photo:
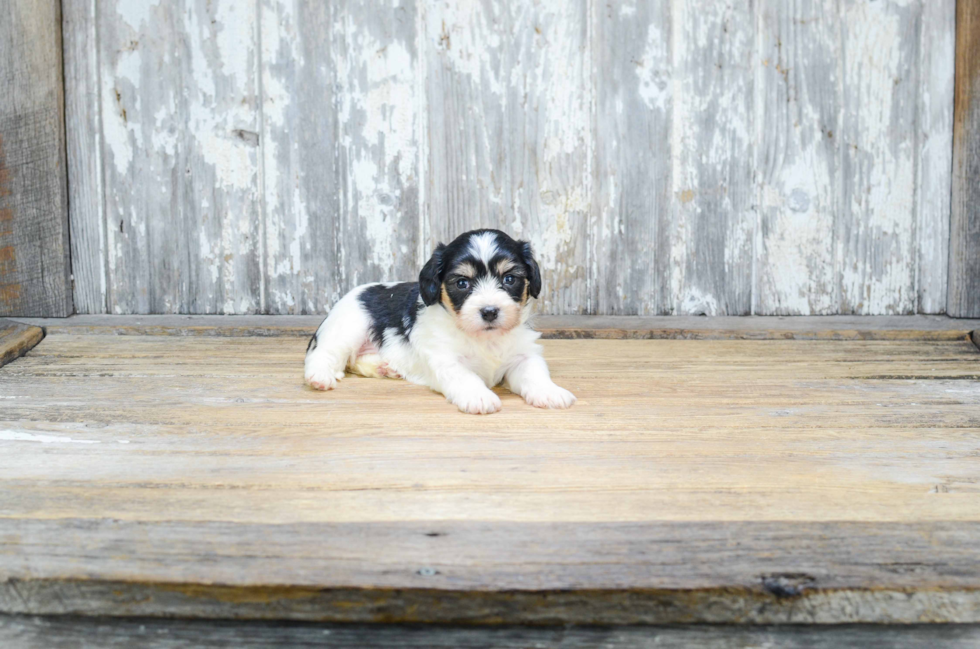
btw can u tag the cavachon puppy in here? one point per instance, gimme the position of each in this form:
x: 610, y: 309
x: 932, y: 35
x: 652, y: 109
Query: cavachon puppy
x: 460, y: 330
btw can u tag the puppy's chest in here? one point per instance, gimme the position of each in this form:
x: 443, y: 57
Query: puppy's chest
x: 484, y: 360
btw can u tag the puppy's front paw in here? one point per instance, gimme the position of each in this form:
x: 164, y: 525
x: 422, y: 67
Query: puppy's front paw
x: 479, y: 403
x: 323, y: 380
x: 549, y: 396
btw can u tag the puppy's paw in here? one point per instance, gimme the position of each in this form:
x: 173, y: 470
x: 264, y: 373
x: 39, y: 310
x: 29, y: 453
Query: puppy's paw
x: 549, y: 396
x: 323, y: 380
x: 478, y: 403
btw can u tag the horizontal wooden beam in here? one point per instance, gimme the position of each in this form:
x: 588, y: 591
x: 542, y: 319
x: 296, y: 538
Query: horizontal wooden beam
x: 918, y: 327
x: 23, y: 632
x: 496, y: 572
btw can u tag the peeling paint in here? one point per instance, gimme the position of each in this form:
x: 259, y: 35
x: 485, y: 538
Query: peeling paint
x: 23, y: 436
x: 661, y: 157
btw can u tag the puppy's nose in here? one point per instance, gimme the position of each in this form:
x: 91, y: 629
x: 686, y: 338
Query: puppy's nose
x: 489, y: 313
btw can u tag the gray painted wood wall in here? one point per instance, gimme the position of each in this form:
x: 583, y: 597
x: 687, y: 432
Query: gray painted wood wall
x: 663, y: 156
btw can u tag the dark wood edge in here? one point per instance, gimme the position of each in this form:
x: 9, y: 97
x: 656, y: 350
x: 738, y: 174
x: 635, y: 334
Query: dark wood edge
x: 926, y: 328
x: 75, y: 632
x: 17, y: 339
x: 975, y: 337
x: 732, y: 605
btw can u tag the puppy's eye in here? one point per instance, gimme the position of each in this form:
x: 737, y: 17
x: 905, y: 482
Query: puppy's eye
x: 462, y: 284
x: 509, y: 280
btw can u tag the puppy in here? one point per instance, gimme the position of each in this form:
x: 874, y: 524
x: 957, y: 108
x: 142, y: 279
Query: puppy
x: 460, y: 330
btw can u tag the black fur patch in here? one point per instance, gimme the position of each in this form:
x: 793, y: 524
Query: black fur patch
x: 391, y: 307
x: 312, y: 344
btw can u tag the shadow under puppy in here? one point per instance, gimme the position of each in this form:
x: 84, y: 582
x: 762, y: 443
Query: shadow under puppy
x: 460, y: 330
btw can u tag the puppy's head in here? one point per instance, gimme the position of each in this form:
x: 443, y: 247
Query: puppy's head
x: 484, y: 278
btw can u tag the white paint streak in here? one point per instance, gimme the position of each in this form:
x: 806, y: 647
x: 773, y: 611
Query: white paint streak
x: 23, y: 436
x: 136, y: 12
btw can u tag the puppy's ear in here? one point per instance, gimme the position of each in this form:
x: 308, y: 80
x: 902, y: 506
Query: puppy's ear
x: 430, y: 279
x: 533, y: 272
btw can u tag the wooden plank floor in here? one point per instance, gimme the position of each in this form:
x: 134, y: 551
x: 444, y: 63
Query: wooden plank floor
x: 695, y: 481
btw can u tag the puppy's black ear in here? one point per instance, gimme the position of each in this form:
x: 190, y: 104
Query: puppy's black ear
x: 430, y: 279
x: 533, y: 272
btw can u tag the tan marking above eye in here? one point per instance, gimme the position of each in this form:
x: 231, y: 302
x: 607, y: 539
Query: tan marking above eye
x: 505, y: 265
x: 465, y: 270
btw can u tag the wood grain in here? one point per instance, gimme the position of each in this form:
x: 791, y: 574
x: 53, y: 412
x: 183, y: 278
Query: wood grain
x: 876, y: 220
x: 712, y: 194
x: 508, y: 105
x: 711, y: 481
x: 767, y: 158
x: 304, y: 262
x: 920, y: 327
x: 86, y: 185
x: 798, y: 157
x: 23, y: 632
x: 17, y: 339
x: 180, y: 126
x: 495, y: 572
x: 934, y: 162
x: 35, y: 269
x: 341, y: 161
x: 964, y: 240
x: 632, y: 74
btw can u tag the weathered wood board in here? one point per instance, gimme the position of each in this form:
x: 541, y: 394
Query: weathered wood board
x: 179, y: 117
x: 35, y: 271
x: 663, y: 157
x: 23, y: 632
x: 508, y: 124
x: 83, y: 130
x: 964, y: 253
x: 17, y: 339
x: 919, y: 327
x: 714, y: 481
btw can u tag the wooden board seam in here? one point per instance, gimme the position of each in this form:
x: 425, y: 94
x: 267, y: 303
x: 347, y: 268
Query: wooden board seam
x: 719, y: 605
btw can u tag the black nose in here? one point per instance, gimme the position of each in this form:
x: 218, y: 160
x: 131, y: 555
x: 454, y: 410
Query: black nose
x: 489, y: 313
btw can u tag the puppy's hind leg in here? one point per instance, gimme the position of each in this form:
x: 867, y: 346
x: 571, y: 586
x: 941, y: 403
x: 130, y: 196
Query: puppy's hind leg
x: 336, y: 343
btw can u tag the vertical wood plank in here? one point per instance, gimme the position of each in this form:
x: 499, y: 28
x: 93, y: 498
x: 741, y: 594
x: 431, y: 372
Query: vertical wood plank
x: 508, y: 102
x: 181, y: 130
x: 712, y: 184
x: 83, y: 130
x: 934, y: 131
x: 34, y: 256
x: 964, y: 242
x: 304, y: 260
x: 876, y: 223
x: 379, y: 114
x: 341, y: 160
x: 634, y: 79
x: 798, y: 138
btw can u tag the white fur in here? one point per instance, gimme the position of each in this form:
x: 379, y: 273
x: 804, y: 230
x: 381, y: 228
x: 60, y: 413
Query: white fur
x: 442, y: 352
x: 484, y: 247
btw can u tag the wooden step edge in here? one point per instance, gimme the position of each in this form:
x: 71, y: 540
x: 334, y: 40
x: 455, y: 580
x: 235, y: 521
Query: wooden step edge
x: 19, y: 631
x: 722, y: 605
x: 16, y: 339
x: 916, y: 327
